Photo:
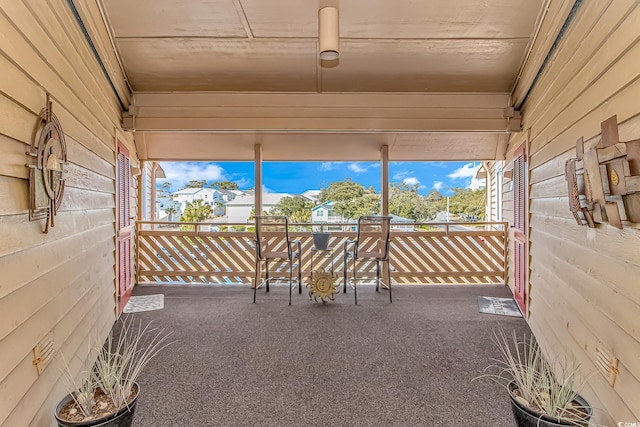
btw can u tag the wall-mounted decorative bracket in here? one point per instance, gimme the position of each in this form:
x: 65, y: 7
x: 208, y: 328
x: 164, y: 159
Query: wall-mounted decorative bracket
x: 604, y: 181
x: 48, y: 157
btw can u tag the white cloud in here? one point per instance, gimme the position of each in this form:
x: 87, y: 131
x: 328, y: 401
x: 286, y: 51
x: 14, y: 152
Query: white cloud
x: 243, y: 182
x: 401, y: 175
x: 327, y: 166
x: 182, y: 172
x: 438, y: 185
x: 476, y: 184
x: 466, y: 171
x: 412, y: 180
x: 354, y: 167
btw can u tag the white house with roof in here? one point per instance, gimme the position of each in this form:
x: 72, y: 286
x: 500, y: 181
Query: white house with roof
x: 311, y: 195
x: 239, y: 209
x: 162, y: 204
x: 325, y: 214
x: 217, y: 199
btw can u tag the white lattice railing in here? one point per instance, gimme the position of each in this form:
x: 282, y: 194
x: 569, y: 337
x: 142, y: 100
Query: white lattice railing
x: 442, y: 253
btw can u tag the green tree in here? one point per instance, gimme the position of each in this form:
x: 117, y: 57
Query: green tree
x: 349, y: 200
x: 367, y: 204
x: 467, y: 202
x: 405, y: 201
x: 297, y: 208
x: 171, y: 211
x: 196, y: 211
x: 434, y: 202
x: 224, y: 185
x: 166, y: 187
x: 194, y: 183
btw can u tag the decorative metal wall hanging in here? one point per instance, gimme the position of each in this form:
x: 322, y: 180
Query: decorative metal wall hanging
x: 322, y: 285
x: 48, y: 154
x: 604, y: 181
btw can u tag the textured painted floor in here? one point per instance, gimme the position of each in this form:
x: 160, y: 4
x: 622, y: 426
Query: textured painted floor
x: 409, y: 363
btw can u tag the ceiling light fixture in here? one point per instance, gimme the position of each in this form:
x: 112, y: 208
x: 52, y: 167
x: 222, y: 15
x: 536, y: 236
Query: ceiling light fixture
x: 329, y: 33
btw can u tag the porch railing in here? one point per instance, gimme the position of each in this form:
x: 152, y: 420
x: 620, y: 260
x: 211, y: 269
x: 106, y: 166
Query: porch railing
x: 429, y: 253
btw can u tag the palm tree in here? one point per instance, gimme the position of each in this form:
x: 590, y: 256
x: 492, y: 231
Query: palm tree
x: 171, y: 211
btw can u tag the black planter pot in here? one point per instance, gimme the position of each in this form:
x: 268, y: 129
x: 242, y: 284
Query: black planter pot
x: 525, y: 417
x: 321, y: 240
x: 122, y: 418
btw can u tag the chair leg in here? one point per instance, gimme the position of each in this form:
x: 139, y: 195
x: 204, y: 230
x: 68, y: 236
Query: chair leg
x: 266, y: 274
x: 389, y: 280
x: 377, y: 276
x: 290, y: 277
x: 344, y: 272
x: 299, y: 272
x: 255, y: 280
x: 355, y: 282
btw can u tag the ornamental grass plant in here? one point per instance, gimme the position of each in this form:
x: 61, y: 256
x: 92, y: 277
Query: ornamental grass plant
x: 111, y: 383
x: 548, y: 389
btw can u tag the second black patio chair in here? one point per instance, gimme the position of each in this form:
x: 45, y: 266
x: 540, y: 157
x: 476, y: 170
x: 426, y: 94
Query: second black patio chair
x: 372, y: 243
x: 273, y: 244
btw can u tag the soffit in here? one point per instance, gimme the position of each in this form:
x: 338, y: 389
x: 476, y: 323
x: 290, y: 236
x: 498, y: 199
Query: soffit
x: 239, y: 146
x: 270, y: 45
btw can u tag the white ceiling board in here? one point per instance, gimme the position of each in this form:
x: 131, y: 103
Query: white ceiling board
x: 445, y: 146
x: 425, y: 65
x: 318, y: 146
x: 220, y: 64
x: 394, y: 19
x: 174, y: 18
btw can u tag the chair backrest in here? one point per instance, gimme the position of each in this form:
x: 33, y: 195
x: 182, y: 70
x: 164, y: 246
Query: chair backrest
x: 373, y: 236
x: 272, y: 236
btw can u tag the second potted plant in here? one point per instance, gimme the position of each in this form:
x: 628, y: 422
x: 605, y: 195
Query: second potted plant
x: 106, y: 396
x: 542, y: 394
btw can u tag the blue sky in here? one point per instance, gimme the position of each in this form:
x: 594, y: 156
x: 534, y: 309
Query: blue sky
x: 297, y: 177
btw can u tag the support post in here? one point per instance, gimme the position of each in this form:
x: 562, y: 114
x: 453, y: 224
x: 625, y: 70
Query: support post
x: 258, y: 178
x: 384, y: 180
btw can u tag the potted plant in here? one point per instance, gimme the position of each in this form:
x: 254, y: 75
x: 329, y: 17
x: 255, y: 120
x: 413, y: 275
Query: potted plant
x: 321, y: 239
x: 106, y: 396
x: 543, y: 394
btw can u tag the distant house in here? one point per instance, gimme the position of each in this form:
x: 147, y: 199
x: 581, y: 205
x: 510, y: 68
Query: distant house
x: 239, y: 209
x: 399, y: 223
x: 324, y: 213
x: 162, y: 204
x: 311, y: 195
x: 215, y: 198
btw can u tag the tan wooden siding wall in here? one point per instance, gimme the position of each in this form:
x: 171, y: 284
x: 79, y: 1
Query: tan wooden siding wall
x: 62, y: 282
x: 584, y: 283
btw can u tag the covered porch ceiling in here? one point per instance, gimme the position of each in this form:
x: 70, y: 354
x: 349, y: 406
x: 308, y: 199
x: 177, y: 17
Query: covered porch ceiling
x: 432, y: 79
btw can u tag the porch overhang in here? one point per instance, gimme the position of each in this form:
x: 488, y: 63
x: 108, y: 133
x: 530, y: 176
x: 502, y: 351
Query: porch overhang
x: 321, y: 127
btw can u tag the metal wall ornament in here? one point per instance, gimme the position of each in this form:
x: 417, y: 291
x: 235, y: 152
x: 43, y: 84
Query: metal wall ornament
x: 322, y: 285
x: 48, y: 157
x: 604, y: 181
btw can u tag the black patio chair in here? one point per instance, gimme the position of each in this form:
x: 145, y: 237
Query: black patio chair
x: 273, y: 244
x: 372, y: 244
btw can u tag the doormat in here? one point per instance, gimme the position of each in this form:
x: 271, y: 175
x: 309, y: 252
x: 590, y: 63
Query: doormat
x: 144, y: 303
x: 500, y: 306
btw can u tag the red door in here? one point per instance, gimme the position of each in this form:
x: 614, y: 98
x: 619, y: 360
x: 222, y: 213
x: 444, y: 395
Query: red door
x: 123, y: 177
x: 521, y: 264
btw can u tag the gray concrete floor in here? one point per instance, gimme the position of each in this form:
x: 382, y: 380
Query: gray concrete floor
x: 410, y: 363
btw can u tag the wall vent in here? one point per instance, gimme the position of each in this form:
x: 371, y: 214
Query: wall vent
x: 607, y: 364
x: 44, y: 352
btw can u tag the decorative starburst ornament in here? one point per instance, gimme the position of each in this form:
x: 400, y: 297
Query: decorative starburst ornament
x: 322, y: 285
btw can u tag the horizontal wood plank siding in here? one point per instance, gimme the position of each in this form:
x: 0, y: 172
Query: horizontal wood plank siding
x: 62, y: 282
x: 584, y: 291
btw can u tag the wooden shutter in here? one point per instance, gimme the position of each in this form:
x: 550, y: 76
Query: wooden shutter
x: 123, y: 181
x: 520, y: 258
x: 519, y: 192
x: 124, y: 185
